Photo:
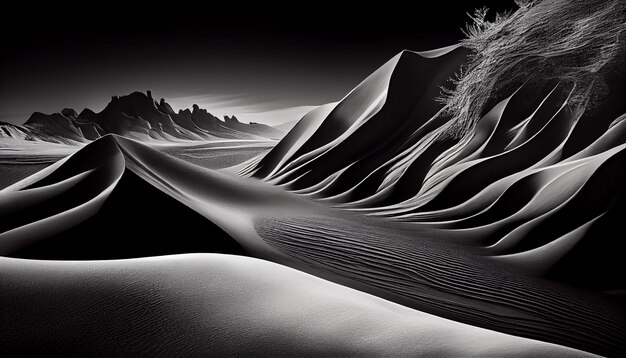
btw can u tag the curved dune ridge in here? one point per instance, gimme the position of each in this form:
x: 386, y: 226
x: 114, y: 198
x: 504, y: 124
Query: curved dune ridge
x: 523, y: 187
x: 117, y: 199
x: 515, y: 228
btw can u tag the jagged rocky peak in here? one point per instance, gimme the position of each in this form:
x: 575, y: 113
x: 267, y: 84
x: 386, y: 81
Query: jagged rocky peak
x: 34, y: 118
x: 165, y: 107
x: 140, y: 96
x: 69, y: 113
x: 138, y: 116
x: 132, y: 97
x: 197, y: 111
x: 133, y: 102
x: 42, y: 118
x: 86, y: 114
x: 231, y: 119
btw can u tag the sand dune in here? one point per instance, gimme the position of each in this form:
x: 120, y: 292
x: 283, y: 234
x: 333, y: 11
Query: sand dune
x: 191, y: 304
x: 505, y: 218
x: 511, y: 188
x: 52, y: 215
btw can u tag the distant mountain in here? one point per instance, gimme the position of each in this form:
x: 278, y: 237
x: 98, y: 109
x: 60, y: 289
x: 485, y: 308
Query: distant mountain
x: 137, y: 116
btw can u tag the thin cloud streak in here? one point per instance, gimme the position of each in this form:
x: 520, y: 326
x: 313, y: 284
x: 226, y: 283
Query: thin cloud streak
x: 246, y: 108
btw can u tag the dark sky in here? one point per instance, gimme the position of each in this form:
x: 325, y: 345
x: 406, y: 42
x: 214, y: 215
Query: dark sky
x: 236, y: 56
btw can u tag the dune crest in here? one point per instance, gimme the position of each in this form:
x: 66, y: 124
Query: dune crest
x: 522, y: 174
x: 498, y: 209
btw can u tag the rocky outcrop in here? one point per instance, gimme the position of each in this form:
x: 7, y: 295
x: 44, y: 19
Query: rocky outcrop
x: 137, y: 116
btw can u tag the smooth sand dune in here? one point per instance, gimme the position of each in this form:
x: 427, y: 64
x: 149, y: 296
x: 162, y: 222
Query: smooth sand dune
x: 514, y: 226
x: 513, y: 171
x: 406, y: 267
x: 158, y: 211
x: 536, y: 185
x: 371, y: 122
x: 220, y: 305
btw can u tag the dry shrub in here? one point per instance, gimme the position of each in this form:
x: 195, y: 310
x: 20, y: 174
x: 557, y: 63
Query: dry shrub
x: 574, y: 41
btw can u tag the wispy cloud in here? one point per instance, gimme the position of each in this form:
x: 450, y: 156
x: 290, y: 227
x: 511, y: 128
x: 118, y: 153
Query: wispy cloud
x: 248, y: 108
x: 208, y: 101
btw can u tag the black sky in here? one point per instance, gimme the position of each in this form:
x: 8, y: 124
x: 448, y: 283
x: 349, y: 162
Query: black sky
x: 303, y: 55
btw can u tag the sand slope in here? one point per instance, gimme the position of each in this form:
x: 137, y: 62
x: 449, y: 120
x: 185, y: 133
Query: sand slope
x: 161, y: 205
x: 515, y: 227
x: 192, y: 305
x: 523, y: 186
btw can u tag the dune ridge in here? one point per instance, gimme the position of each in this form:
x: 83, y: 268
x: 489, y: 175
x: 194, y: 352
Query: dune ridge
x: 211, y: 211
x: 521, y: 175
x: 513, y: 224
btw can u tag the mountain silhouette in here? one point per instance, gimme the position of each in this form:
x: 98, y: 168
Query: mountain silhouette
x: 136, y: 116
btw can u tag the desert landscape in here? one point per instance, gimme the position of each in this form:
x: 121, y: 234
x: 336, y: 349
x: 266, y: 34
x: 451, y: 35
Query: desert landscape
x: 460, y: 201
